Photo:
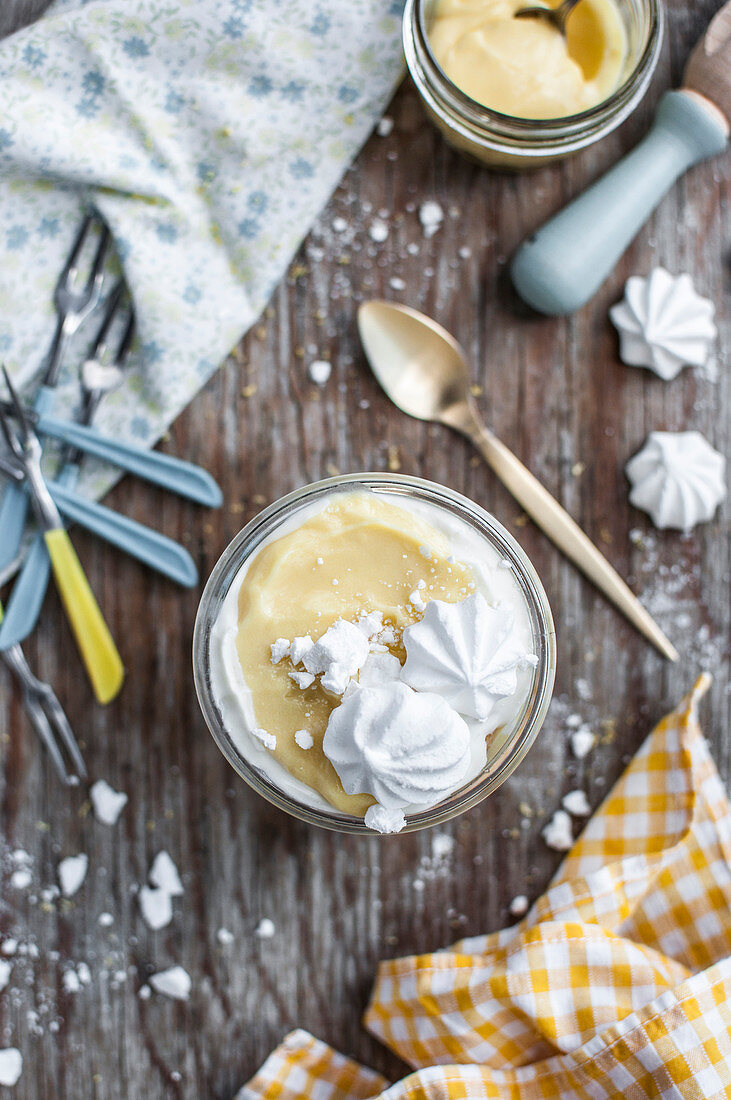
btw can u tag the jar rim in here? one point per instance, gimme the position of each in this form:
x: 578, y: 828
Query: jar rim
x: 244, y: 545
x: 510, y: 133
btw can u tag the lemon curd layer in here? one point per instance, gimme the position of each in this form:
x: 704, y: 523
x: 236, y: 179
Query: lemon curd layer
x: 359, y: 554
x: 524, y: 67
x: 347, y: 556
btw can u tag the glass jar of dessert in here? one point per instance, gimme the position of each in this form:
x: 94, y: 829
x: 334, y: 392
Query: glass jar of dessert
x: 513, y: 92
x: 374, y: 652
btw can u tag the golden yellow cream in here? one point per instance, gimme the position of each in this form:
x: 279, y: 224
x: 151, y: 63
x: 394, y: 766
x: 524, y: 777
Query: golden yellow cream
x: 524, y: 67
x: 359, y: 554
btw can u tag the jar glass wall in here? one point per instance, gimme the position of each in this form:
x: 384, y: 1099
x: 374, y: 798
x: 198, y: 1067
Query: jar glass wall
x: 509, y: 745
x: 503, y: 141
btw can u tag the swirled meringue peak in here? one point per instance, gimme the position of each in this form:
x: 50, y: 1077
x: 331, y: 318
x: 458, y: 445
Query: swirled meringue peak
x: 401, y: 746
x: 678, y: 478
x: 466, y: 653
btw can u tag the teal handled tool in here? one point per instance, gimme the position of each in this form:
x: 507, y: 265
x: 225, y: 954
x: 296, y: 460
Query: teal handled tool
x: 96, y: 645
x: 73, y: 305
x: 184, y: 478
x: 159, y: 552
x: 562, y: 265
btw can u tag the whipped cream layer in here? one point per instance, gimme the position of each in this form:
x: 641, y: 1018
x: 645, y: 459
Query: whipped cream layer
x: 495, y: 583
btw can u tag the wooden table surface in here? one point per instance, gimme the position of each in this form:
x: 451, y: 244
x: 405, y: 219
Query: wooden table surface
x: 556, y: 392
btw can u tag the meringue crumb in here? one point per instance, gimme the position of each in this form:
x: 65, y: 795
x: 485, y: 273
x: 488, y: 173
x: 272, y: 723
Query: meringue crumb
x: 431, y: 217
x: 319, y: 371
x: 107, y: 803
x: 384, y: 821
x: 224, y: 937
x: 265, y: 929
x: 518, y: 906
x: 557, y: 833
x: 280, y: 650
x: 582, y: 742
x: 302, y: 679
x: 71, y: 873
x: 576, y: 803
x: 268, y: 740
x: 304, y: 739
x: 385, y: 126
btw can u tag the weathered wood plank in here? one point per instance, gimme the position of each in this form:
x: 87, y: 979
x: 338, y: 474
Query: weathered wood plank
x: 555, y: 391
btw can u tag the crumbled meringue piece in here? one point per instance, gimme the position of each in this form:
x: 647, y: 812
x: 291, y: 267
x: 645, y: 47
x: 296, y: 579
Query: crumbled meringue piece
x: 299, y: 648
x: 384, y: 821
x: 268, y: 740
x: 518, y: 906
x: 302, y: 679
x: 417, y: 601
x: 338, y: 655
x: 280, y: 650
x: 371, y: 624
x: 71, y: 873
x: 401, y: 746
x: 678, y: 478
x: 165, y: 875
x: 465, y: 653
x: 663, y: 323
x: 576, y: 803
x: 11, y: 1066
x: 5, y: 969
x: 557, y: 833
x: 380, y: 668
x: 156, y: 906
x: 173, y: 982
x: 582, y: 742
x: 265, y: 929
x: 107, y: 803
x: 431, y: 217
x: 304, y: 739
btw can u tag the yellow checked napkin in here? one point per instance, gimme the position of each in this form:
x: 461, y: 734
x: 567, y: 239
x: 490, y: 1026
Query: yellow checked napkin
x: 617, y: 983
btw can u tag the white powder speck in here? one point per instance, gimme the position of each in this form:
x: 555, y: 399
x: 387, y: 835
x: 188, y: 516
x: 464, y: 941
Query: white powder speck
x: 21, y: 878
x: 106, y: 920
x: 378, y: 231
x: 425, y: 552
x: 5, y: 969
x: 11, y: 1066
x: 385, y: 126
x: 107, y: 803
x: 84, y: 973
x: 224, y: 937
x: 268, y: 740
x: 557, y: 833
x: 339, y: 225
x: 319, y: 371
x: 9, y: 947
x: 265, y: 929
x: 431, y: 217
x: 174, y: 982
x: 304, y: 739
x: 396, y: 283
x: 412, y: 248
x: 518, y: 906
x: 582, y: 742
x: 156, y: 907
x: 71, y: 873
x: 583, y: 689
x: 576, y: 803
x: 280, y: 650
x: 164, y: 874
x: 464, y: 254
x: 144, y: 993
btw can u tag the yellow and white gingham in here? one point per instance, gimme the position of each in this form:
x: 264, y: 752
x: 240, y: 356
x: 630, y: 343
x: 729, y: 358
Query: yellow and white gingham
x: 617, y: 983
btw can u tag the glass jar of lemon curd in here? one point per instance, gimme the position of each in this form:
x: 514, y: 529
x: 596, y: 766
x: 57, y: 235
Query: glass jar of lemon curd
x: 503, y: 140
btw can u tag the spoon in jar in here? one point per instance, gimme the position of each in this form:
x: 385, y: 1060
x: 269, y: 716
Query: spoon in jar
x: 423, y: 370
x: 555, y: 16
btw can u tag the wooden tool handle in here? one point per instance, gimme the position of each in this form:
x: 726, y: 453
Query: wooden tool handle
x: 567, y: 535
x: 96, y: 645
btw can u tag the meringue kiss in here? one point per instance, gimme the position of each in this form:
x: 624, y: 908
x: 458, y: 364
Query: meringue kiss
x: 466, y: 653
x: 403, y: 747
x: 678, y: 478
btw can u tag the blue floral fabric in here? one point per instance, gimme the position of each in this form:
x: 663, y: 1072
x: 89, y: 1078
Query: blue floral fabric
x: 208, y: 134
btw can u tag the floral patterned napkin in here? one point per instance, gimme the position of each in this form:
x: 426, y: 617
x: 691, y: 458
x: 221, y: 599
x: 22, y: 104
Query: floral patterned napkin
x: 208, y: 134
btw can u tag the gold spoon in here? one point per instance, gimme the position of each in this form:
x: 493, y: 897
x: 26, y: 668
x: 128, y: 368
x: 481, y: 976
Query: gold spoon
x: 423, y: 370
x: 555, y: 16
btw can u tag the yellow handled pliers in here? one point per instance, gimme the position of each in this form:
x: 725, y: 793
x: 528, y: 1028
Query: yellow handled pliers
x: 96, y: 645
